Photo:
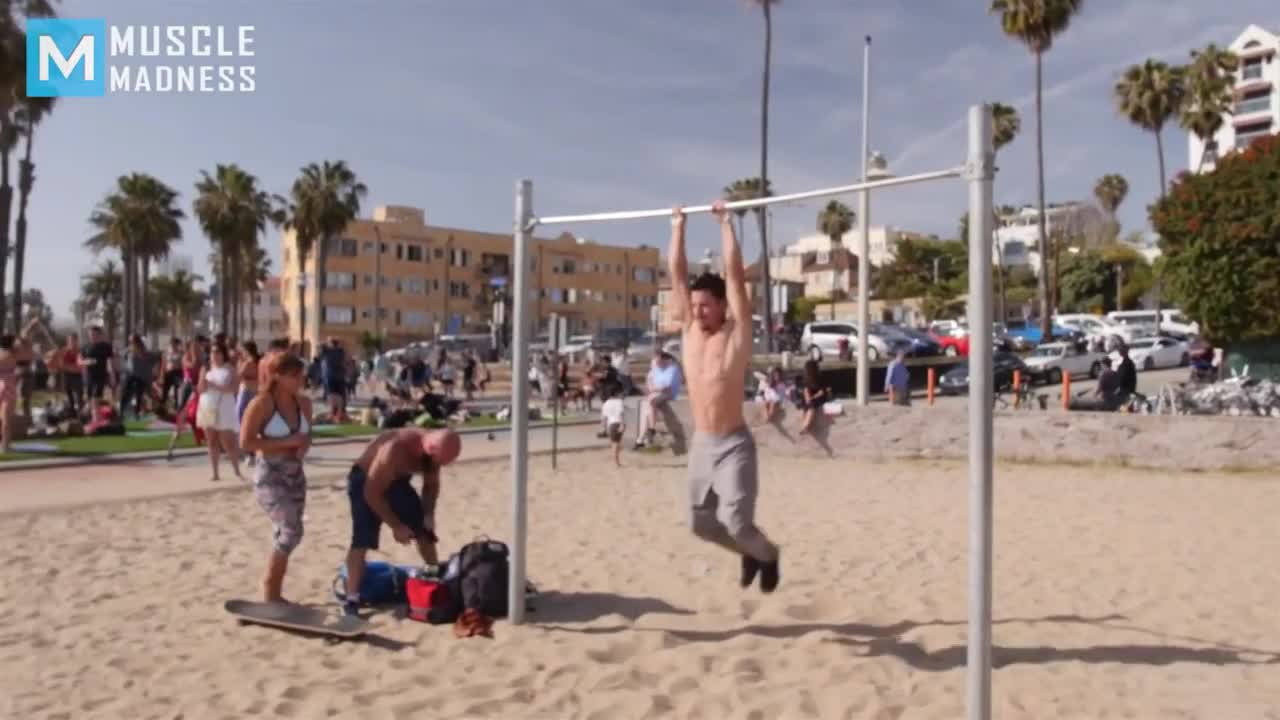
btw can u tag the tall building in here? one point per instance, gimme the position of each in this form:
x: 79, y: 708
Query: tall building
x: 264, y: 314
x: 1257, y: 100
x: 430, y: 280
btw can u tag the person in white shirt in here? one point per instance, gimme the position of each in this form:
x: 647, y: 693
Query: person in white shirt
x: 612, y: 417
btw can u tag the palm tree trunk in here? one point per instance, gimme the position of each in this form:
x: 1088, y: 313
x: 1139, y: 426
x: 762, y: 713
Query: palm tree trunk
x: 253, y: 321
x: 224, y: 294
x: 322, y: 256
x: 764, y: 181
x: 144, y: 298
x: 1046, y: 311
x: 1163, y: 185
x: 26, y: 177
x: 126, y: 286
x: 6, y: 202
x: 302, y: 296
x: 1002, y: 310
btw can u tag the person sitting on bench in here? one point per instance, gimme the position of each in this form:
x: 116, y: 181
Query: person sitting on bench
x: 661, y: 386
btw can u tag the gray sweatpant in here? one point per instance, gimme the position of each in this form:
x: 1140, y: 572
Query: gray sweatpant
x: 723, y: 486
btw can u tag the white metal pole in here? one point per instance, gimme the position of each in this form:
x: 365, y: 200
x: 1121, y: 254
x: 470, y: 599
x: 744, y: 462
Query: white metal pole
x: 981, y: 172
x: 757, y: 202
x: 520, y: 402
x: 864, y: 239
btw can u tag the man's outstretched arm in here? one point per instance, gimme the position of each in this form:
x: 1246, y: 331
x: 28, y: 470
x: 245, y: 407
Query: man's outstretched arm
x: 735, y: 276
x: 678, y: 265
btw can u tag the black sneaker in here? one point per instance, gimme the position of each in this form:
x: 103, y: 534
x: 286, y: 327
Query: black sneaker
x: 750, y: 566
x: 770, y: 574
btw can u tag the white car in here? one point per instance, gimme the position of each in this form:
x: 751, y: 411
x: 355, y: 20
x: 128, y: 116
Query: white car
x: 1171, y: 320
x: 826, y: 336
x: 1050, y: 361
x: 1098, y: 327
x: 1155, y: 353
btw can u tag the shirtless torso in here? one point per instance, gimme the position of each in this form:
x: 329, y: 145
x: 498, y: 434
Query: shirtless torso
x: 715, y: 368
x: 716, y: 338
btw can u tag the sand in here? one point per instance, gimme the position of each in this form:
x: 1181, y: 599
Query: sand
x: 1119, y: 594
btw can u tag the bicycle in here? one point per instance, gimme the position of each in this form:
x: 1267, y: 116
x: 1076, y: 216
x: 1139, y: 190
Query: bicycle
x: 1022, y: 397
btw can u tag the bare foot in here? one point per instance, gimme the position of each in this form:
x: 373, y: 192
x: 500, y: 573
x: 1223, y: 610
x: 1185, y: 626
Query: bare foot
x: 215, y: 478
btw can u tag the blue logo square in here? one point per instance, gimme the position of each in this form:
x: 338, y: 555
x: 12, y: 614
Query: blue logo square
x: 66, y: 58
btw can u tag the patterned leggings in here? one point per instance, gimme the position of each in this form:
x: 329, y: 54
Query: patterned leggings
x: 281, y: 489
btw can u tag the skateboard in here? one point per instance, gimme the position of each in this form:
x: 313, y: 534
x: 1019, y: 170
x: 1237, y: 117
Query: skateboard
x: 294, y: 617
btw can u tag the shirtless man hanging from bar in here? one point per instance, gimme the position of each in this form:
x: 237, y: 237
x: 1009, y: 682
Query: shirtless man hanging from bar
x: 723, y: 482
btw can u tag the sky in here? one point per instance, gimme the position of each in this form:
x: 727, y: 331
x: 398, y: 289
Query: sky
x: 614, y: 105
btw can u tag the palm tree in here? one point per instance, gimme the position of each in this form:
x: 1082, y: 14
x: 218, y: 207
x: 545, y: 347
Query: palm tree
x: 140, y: 220
x: 32, y: 111
x: 256, y: 271
x: 1035, y: 23
x: 1209, y: 95
x: 1005, y: 126
x: 232, y: 211
x: 1110, y: 192
x: 744, y: 189
x: 767, y: 7
x: 13, y: 80
x: 834, y: 221
x: 178, y: 299
x: 323, y: 201
x: 1149, y: 95
x: 101, y: 293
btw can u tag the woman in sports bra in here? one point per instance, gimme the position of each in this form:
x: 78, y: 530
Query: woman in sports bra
x: 277, y: 428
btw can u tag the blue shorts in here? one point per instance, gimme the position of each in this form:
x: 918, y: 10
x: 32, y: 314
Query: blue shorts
x: 366, y: 526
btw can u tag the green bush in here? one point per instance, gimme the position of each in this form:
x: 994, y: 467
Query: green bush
x: 1220, y: 234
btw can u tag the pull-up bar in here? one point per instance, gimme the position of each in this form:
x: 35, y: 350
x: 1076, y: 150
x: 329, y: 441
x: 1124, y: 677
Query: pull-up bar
x: 754, y: 203
x: 978, y: 171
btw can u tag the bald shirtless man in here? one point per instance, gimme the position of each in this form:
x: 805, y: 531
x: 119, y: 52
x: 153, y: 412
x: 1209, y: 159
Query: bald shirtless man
x: 380, y: 492
x: 723, y: 484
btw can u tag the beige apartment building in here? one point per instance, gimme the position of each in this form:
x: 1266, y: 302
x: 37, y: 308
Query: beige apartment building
x: 431, y: 280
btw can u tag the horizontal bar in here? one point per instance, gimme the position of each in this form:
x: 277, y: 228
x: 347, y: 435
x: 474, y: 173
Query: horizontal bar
x: 757, y: 202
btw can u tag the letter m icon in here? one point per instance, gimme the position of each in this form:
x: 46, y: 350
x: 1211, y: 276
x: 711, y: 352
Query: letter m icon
x: 66, y: 58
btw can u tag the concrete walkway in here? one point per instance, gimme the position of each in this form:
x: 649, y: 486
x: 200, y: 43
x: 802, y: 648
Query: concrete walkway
x: 41, y: 488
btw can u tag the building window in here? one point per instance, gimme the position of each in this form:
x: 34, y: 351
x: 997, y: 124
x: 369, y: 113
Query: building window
x: 458, y: 257
x: 644, y: 275
x: 399, y: 251
x: 339, y: 314
x: 439, y: 253
x: 415, y: 253
x: 1249, y: 133
x: 459, y: 290
x: 341, y: 247
x: 1252, y: 69
x: 415, y: 318
x: 368, y: 280
x: 339, y: 281
x: 413, y: 286
x: 1254, y: 102
x: 367, y: 246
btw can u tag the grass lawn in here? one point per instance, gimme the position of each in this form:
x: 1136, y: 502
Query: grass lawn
x: 157, y: 442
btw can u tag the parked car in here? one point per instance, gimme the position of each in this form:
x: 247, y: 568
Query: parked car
x: 952, y: 338
x: 826, y: 337
x: 1099, y: 327
x: 1172, y: 321
x: 1027, y: 332
x: 1003, y: 364
x: 1155, y: 353
x: 919, y: 344
x: 1050, y: 361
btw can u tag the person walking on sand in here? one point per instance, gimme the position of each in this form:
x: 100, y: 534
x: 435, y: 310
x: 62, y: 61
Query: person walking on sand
x: 613, y: 422
x: 379, y: 489
x: 276, y: 428
x: 897, y: 381
x: 715, y: 316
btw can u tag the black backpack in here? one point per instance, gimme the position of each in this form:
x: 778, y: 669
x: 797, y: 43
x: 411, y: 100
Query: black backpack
x: 475, y: 578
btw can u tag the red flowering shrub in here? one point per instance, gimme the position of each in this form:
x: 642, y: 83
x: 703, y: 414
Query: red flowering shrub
x: 1220, y: 235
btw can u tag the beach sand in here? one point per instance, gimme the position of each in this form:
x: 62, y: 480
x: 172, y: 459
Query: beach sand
x: 1118, y: 594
